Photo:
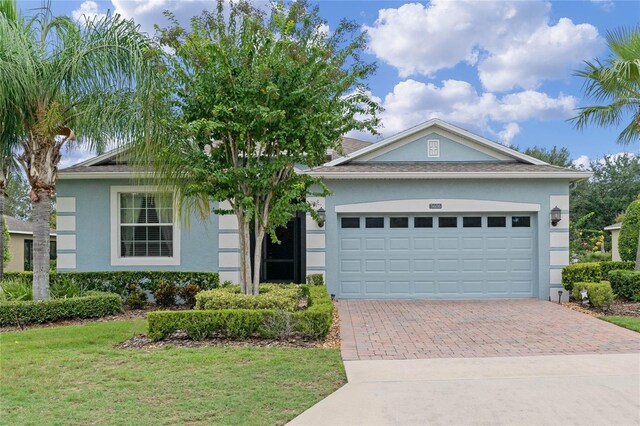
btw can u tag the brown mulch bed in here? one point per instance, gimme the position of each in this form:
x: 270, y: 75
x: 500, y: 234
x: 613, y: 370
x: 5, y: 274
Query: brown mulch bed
x: 180, y: 340
x: 127, y: 314
x: 620, y: 308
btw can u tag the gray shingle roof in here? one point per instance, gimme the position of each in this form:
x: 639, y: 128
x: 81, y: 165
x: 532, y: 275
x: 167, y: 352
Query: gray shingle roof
x: 20, y: 226
x: 440, y: 167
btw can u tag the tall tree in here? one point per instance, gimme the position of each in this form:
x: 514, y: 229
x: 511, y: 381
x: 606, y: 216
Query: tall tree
x: 255, y: 95
x: 556, y: 156
x: 615, y: 81
x: 59, y: 79
x: 8, y: 124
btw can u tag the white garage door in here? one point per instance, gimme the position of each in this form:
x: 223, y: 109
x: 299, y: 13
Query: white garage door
x: 449, y: 256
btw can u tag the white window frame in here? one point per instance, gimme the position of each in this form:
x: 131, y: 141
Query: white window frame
x: 435, y: 143
x: 116, y: 259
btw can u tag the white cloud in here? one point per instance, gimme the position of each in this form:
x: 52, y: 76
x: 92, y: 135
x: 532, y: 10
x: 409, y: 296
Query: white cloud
x: 75, y: 155
x: 412, y: 102
x: 582, y: 162
x: 547, y: 54
x: 606, y: 5
x: 510, y: 36
x: 87, y: 10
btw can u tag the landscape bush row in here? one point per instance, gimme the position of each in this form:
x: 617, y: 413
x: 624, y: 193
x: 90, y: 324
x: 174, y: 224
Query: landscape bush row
x: 121, y: 282
x: 314, y: 321
x: 591, y: 272
x: 623, y: 281
x: 92, y: 305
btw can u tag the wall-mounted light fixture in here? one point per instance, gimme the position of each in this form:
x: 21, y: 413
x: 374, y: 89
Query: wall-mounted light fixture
x: 556, y: 215
x: 321, y: 217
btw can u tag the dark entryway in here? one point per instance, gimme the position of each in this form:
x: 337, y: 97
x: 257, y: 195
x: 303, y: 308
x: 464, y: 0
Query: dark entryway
x: 284, y: 262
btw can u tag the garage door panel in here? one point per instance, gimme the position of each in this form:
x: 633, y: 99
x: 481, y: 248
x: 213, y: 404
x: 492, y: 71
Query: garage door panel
x: 350, y: 266
x: 375, y: 244
x: 424, y: 244
x: 438, y: 262
x: 350, y: 244
x: 375, y: 287
x: 375, y: 265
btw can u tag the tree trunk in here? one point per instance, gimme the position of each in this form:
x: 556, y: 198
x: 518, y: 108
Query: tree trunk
x: 41, y: 245
x: 245, y: 255
x: 257, y: 258
x: 1, y: 233
x: 638, y: 252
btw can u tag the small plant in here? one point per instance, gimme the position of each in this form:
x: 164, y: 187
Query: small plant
x: 165, y: 293
x: 136, y: 298
x: 65, y: 288
x: 315, y: 279
x: 227, y: 283
x: 600, y: 295
x: 278, y: 326
x: 15, y: 290
x: 188, y: 293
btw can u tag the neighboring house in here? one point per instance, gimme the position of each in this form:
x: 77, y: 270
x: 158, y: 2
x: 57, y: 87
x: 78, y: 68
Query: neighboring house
x: 615, y: 234
x: 431, y: 212
x: 21, y: 245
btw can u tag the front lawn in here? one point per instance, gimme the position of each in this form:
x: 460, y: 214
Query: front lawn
x: 632, y: 323
x: 73, y: 376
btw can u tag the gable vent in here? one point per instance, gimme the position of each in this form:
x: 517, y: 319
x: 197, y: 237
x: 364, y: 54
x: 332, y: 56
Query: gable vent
x: 433, y: 148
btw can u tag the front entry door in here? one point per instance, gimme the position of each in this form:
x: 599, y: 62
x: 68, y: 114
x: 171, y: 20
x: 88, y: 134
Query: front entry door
x: 284, y: 262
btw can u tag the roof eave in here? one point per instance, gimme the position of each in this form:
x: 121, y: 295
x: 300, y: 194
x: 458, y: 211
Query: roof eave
x: 451, y: 175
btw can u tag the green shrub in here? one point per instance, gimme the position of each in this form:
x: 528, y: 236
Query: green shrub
x: 65, y: 288
x: 315, y: 279
x: 278, y: 326
x: 165, y: 294
x: 626, y: 284
x: 136, y: 297
x: 628, y: 240
x: 188, y: 293
x: 600, y: 295
x: 15, y: 290
x: 315, y: 321
x: 594, y: 256
x: 284, y: 297
x: 118, y: 281
x: 580, y: 272
x: 42, y: 311
x: 606, y: 267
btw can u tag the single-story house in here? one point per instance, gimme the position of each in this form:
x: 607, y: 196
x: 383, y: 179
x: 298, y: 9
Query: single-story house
x: 615, y: 234
x: 432, y: 212
x: 21, y: 244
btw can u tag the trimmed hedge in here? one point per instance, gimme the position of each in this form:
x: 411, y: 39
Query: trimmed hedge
x: 606, y: 267
x: 315, y: 279
x: 315, y: 321
x: 590, y: 272
x: 93, y: 305
x: 118, y: 281
x: 285, y: 297
x: 600, y: 294
x: 626, y: 284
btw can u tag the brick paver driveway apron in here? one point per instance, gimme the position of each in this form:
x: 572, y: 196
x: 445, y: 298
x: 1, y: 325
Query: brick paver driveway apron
x: 419, y: 329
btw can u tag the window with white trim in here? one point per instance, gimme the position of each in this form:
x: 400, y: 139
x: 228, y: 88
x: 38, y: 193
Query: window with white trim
x: 145, y: 230
x: 146, y: 224
x: 433, y: 148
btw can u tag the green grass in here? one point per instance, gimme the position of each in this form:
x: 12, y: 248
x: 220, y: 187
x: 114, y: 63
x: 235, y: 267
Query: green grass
x: 632, y: 323
x: 73, y: 376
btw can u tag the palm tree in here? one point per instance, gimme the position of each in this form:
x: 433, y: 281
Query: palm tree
x: 616, y: 82
x: 8, y: 129
x: 58, y: 79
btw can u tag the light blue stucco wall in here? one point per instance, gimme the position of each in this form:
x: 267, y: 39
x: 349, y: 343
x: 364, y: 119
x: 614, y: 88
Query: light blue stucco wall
x: 198, y: 239
x: 514, y: 190
x: 449, y: 151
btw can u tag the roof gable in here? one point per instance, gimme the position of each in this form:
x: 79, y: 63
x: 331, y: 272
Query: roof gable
x: 462, y: 146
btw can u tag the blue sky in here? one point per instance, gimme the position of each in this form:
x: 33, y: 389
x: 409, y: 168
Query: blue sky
x: 502, y: 69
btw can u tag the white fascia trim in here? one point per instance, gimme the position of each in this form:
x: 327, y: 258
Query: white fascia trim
x: 450, y: 175
x: 447, y: 206
x: 105, y: 156
x: 444, y: 125
x: 116, y: 260
x: 51, y: 234
x: 103, y: 175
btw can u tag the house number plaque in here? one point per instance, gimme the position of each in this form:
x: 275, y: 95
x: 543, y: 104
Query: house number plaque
x: 435, y: 206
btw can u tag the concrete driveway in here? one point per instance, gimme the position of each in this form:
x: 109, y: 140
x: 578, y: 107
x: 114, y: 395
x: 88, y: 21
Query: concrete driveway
x: 510, y: 362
